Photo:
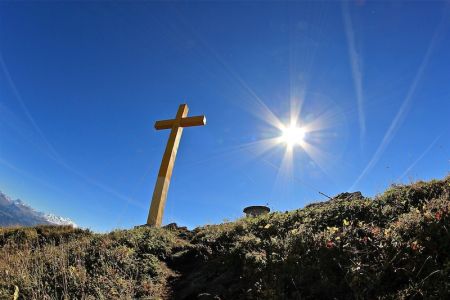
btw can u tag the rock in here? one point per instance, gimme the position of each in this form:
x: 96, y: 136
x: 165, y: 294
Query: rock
x: 183, y: 231
x: 349, y: 196
x: 171, y: 226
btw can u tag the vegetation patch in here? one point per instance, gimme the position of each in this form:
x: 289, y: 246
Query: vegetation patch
x: 351, y: 247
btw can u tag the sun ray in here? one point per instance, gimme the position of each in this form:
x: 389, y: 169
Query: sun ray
x: 425, y: 152
x: 283, y: 184
x: 405, y: 106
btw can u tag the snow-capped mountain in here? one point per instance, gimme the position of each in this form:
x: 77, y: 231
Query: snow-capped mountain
x: 57, y: 220
x: 17, y: 212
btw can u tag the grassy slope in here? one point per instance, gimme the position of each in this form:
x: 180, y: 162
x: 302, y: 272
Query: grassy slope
x: 394, y: 246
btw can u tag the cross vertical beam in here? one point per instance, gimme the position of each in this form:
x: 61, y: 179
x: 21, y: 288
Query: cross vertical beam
x: 165, y: 171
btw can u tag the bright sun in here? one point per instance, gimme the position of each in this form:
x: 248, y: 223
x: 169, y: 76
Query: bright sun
x: 293, y: 135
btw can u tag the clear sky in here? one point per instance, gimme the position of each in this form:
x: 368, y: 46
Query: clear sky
x: 81, y: 85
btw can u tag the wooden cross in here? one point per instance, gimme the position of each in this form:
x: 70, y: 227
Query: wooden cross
x: 165, y: 171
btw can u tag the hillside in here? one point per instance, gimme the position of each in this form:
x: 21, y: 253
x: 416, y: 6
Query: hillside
x: 393, y: 246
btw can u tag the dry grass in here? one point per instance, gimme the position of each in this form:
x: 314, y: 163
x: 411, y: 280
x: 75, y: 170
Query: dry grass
x: 75, y: 264
x: 393, y: 246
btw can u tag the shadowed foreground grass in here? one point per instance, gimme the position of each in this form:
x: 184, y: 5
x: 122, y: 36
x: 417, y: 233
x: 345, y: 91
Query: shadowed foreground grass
x: 396, y: 245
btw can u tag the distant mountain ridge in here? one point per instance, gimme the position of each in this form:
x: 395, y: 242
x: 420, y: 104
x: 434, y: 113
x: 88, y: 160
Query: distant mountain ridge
x: 17, y: 212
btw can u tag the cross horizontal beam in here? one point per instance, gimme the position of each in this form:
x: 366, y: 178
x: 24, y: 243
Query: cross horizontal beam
x: 183, y: 122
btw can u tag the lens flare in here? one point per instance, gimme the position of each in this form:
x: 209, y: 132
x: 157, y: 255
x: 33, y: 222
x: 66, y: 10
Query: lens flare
x: 292, y: 135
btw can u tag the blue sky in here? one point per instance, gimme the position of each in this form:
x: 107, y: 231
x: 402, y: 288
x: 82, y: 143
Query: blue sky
x: 81, y: 84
